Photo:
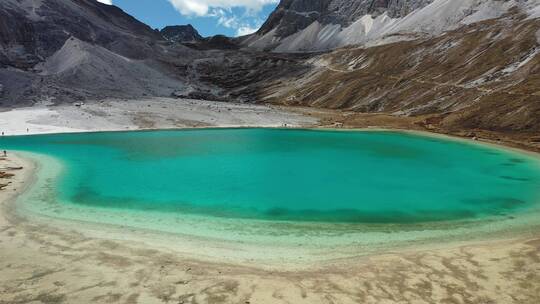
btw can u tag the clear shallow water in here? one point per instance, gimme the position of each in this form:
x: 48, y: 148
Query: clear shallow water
x: 294, y: 175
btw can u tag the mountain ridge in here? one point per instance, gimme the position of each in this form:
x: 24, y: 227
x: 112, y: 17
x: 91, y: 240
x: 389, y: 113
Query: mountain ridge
x: 329, y: 24
x: 181, y: 33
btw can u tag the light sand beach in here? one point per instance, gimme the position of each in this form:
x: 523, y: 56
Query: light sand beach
x: 154, y: 113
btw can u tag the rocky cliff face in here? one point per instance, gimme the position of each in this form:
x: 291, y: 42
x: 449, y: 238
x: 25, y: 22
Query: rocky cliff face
x: 292, y: 16
x: 30, y: 31
x: 321, y: 25
x: 181, y: 33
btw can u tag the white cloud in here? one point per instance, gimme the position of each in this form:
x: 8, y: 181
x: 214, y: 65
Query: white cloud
x: 222, y: 10
x: 203, y: 7
x: 246, y: 30
x: 243, y: 25
x: 109, y: 2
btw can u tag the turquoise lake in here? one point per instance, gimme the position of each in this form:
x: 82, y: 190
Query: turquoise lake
x: 289, y: 175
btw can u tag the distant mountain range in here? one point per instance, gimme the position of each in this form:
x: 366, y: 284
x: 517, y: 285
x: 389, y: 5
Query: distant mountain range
x: 462, y: 64
x: 298, y: 25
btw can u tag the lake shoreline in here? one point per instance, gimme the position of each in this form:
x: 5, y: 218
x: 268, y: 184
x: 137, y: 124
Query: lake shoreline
x: 63, y: 263
x: 226, y: 250
x: 113, y: 115
x: 66, y: 260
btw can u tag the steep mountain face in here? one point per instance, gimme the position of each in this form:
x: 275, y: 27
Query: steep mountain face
x: 70, y: 50
x: 298, y: 25
x: 483, y: 76
x: 292, y: 16
x: 181, y: 33
x: 31, y: 31
x: 78, y: 49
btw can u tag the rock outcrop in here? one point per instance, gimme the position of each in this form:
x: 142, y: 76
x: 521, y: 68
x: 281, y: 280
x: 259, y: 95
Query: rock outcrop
x: 321, y: 25
x: 292, y: 16
x: 181, y: 33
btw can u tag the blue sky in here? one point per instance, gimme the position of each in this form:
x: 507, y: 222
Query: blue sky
x: 209, y: 17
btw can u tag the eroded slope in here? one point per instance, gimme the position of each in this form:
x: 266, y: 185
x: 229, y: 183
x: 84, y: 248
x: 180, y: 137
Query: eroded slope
x: 485, y: 75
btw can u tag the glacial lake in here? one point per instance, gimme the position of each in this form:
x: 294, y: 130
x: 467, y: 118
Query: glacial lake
x: 251, y: 180
x: 293, y: 175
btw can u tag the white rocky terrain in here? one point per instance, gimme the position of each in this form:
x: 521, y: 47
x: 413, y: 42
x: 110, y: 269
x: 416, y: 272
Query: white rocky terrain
x: 78, y: 61
x: 375, y: 25
x: 151, y: 113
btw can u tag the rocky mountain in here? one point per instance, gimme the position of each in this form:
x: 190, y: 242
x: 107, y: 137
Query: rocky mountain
x: 80, y: 49
x: 480, y: 76
x: 70, y: 50
x: 292, y: 16
x: 181, y: 33
x: 31, y: 31
x: 484, y: 74
x: 298, y: 25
